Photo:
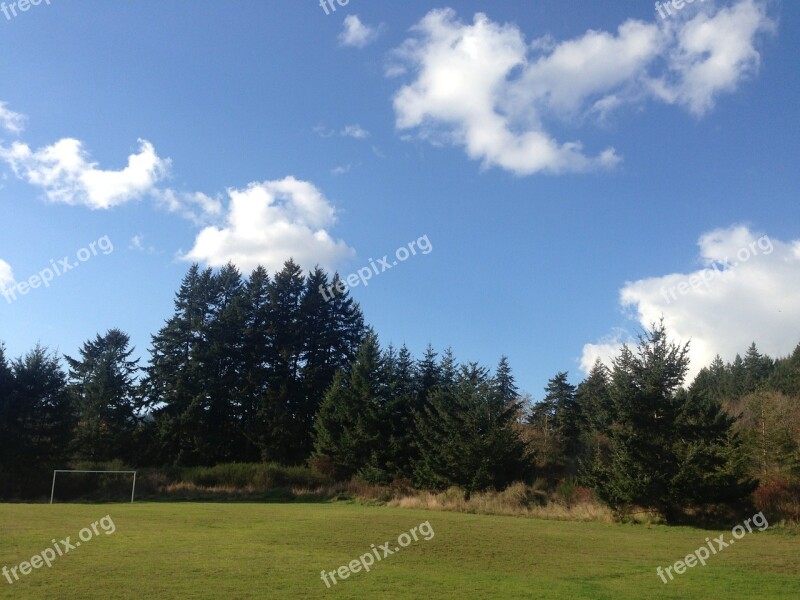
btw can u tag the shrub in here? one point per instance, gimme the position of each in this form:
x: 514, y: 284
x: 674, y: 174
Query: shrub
x: 779, y: 497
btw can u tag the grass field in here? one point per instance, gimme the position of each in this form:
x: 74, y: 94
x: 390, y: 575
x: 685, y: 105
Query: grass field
x: 235, y: 551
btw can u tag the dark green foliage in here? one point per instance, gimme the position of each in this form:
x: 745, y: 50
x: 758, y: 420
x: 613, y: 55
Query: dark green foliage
x: 468, y: 432
x: 403, y: 404
x: 597, y: 416
x: 8, y: 425
x: 557, y: 424
x: 273, y: 369
x: 35, y: 420
x: 668, y: 449
x: 102, y: 388
x: 785, y: 378
x: 351, y: 428
x: 239, y: 371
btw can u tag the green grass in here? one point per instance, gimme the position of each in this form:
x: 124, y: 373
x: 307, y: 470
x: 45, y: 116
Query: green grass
x: 236, y: 551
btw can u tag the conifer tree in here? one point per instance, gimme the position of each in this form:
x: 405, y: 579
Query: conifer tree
x: 668, y: 449
x: 102, y: 386
x: 38, y: 417
x: 351, y: 421
x: 468, y: 434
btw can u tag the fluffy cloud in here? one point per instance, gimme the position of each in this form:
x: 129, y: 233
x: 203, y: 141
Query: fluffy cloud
x: 269, y: 222
x: 483, y: 87
x: 138, y: 245
x: 748, y: 289
x: 67, y: 175
x: 11, y: 121
x: 6, y: 276
x: 196, y: 207
x: 355, y: 131
x: 357, y: 34
x: 711, y: 54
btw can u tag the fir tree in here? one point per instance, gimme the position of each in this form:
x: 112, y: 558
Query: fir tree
x: 102, y: 385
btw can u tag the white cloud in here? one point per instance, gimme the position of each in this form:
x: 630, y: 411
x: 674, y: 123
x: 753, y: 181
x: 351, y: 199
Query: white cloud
x: 11, y: 121
x: 196, y: 207
x: 6, y: 276
x: 268, y: 223
x: 341, y: 169
x: 357, y: 34
x: 323, y: 131
x: 605, y: 350
x: 355, y: 131
x: 65, y: 173
x: 748, y: 289
x: 137, y: 244
x: 482, y: 86
x: 711, y: 54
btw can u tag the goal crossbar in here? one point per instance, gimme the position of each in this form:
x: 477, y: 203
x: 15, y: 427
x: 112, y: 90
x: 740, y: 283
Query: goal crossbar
x: 56, y: 471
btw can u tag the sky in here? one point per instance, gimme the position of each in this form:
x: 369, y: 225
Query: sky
x: 565, y: 173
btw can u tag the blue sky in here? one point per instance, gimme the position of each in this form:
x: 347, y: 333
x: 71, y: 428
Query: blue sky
x: 569, y: 162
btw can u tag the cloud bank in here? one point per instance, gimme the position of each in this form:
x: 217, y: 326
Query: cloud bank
x: 481, y: 86
x: 748, y: 289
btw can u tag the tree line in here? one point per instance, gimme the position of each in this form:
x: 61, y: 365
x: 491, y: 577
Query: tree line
x: 264, y: 369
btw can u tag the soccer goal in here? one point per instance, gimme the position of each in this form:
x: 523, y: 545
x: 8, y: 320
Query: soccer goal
x: 57, y: 471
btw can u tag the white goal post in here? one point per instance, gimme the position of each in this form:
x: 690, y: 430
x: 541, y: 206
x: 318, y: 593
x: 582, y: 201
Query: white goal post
x: 53, y: 489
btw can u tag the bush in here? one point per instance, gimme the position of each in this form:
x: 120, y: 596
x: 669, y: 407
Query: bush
x: 260, y: 477
x: 779, y: 497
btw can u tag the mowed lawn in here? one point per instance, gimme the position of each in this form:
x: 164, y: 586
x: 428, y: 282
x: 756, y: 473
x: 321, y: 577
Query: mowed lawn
x: 229, y: 551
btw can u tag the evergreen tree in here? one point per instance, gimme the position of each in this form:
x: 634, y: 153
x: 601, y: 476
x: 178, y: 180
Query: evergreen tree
x: 350, y: 424
x: 257, y: 361
x: 448, y: 370
x: 786, y: 376
x: 468, y: 435
x: 737, y: 379
x: 597, y: 416
x: 567, y: 414
x: 668, y: 449
x: 505, y: 385
x: 556, y: 423
x: 403, y: 404
x: 176, y: 383
x: 333, y: 329
x: 283, y: 434
x: 7, y: 423
x: 428, y: 374
x: 224, y: 359
x: 713, y: 381
x: 102, y: 386
x: 38, y: 418
x: 757, y: 368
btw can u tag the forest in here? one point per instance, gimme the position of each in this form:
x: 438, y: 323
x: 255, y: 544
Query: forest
x: 263, y: 369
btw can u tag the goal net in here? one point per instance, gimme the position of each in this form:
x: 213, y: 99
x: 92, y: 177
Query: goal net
x: 67, y: 471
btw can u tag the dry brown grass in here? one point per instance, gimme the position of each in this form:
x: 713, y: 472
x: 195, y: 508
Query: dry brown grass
x: 517, y: 500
